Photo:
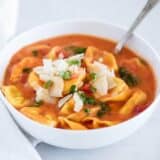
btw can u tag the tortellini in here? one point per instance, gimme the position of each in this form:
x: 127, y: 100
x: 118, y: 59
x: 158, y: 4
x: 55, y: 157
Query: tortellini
x: 79, y: 116
x: 93, y: 122
x: 119, y: 93
x: 138, y: 97
x: 25, y: 64
x: 68, y: 124
x: 67, y: 107
x: 53, y: 52
x: 107, y: 58
x: 15, y: 97
x: 35, y: 114
x: 34, y: 81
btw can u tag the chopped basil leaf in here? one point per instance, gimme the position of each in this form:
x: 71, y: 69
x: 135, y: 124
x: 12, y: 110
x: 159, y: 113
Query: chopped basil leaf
x: 66, y: 75
x: 48, y: 84
x: 76, y: 49
x: 87, y: 110
x: 103, y: 110
x: 38, y: 103
x: 35, y: 53
x: 129, y: 78
x: 73, y: 89
x: 87, y: 99
x: 93, y: 76
x: 74, y: 62
x: 26, y: 70
x: 90, y: 100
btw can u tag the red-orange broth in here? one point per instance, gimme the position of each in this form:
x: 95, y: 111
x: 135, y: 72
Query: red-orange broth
x: 146, y: 78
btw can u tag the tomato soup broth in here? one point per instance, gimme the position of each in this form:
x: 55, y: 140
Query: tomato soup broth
x: 81, y: 101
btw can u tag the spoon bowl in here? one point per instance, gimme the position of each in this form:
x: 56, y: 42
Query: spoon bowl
x: 147, y: 8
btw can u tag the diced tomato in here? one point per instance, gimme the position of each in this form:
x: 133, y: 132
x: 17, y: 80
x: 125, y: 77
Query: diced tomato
x: 86, y: 88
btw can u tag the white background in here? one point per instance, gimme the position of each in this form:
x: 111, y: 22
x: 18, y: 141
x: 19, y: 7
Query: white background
x: 145, y: 143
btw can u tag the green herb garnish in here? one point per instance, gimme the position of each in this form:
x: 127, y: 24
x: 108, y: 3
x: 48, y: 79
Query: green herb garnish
x: 26, y: 70
x: 76, y: 49
x: 35, y: 53
x: 66, y: 75
x: 74, y: 62
x: 48, y: 84
x: 73, y: 89
x: 90, y: 100
x: 87, y: 99
x: 87, y: 110
x: 104, y: 108
x: 129, y: 78
x: 93, y: 89
x: 38, y: 103
x: 93, y: 76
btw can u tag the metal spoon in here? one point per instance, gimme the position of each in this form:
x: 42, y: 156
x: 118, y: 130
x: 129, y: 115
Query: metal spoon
x: 147, y: 8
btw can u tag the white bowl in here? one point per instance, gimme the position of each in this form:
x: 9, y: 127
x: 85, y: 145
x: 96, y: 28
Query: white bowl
x: 89, y: 138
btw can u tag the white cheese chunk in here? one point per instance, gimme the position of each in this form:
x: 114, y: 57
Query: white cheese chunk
x: 74, y: 68
x: 60, y: 65
x: 101, y: 85
x: 104, y: 77
x: 98, y: 68
x: 78, y: 103
x: 111, y: 81
x: 47, y: 71
x: 63, y: 100
x: 49, y: 68
x: 57, y: 89
x: 44, y: 76
x: 47, y: 65
x: 43, y: 95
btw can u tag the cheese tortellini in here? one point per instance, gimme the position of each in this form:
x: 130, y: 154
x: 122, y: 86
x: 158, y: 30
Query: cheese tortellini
x: 15, y: 97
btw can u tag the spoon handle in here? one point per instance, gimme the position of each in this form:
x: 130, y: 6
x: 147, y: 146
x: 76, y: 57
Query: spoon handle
x: 147, y: 8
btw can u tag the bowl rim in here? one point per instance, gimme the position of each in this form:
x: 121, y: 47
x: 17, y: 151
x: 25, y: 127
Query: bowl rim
x: 85, y: 20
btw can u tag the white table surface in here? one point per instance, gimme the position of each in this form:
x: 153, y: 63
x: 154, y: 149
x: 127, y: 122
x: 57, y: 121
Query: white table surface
x: 145, y: 143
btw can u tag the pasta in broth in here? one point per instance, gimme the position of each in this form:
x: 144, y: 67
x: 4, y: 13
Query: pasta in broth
x: 76, y: 82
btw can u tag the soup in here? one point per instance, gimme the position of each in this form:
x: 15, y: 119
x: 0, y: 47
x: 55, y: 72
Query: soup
x: 76, y: 82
